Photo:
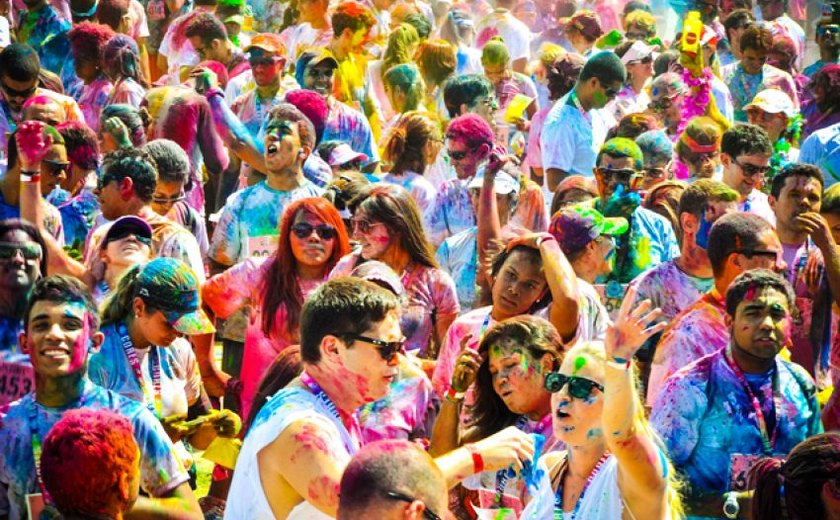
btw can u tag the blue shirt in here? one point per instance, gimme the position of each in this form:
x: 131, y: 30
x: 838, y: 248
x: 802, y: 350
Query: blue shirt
x: 451, y: 212
x: 707, y: 421
x: 9, y: 330
x: 78, y: 215
x: 46, y: 32
x: 160, y: 471
x: 822, y: 149
x: 458, y: 256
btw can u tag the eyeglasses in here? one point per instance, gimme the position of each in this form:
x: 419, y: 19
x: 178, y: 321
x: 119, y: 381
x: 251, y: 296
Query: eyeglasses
x: 10, y: 92
x: 387, y: 349
x: 304, y: 230
x: 579, y: 387
x: 30, y: 250
x: 427, y: 513
x: 655, y: 173
x: 646, y: 60
x: 364, y: 225
x: 751, y: 170
x: 122, y: 234
x: 168, y: 201
x: 321, y: 73
x: 56, y: 167
x: 623, y: 176
x: 662, y: 104
x: 749, y: 253
x: 610, y: 92
x: 265, y: 61
x: 202, y: 51
x: 457, y: 155
x: 103, y: 181
x: 828, y: 29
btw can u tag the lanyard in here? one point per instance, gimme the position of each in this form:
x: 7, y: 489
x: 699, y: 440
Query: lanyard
x: 484, y: 325
x: 768, y: 441
x: 502, y: 475
x: 36, y: 450
x: 558, y: 495
x: 575, y: 101
x: 155, y: 404
x: 354, y: 430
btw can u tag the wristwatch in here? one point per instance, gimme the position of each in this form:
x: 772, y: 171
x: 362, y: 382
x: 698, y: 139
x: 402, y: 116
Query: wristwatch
x: 731, y: 508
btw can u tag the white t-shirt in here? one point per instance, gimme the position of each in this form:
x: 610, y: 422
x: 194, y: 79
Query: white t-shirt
x: 571, y: 139
x: 421, y: 189
x: 516, y: 34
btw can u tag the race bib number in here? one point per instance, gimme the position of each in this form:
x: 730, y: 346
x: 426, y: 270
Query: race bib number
x: 510, y: 507
x: 739, y: 470
x: 262, y: 246
x: 16, y: 379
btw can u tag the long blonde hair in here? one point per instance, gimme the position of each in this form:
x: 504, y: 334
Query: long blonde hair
x: 595, y: 351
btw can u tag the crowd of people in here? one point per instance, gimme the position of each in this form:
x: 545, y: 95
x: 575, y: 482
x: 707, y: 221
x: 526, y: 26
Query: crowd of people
x: 404, y: 259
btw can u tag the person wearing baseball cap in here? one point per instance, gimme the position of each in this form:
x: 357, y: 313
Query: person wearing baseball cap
x: 127, y: 242
x: 145, y: 356
x: 772, y: 110
x: 637, y: 57
x: 267, y: 57
x: 587, y: 239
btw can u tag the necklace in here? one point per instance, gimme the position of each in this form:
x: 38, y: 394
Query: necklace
x: 558, y: 495
x: 153, y: 402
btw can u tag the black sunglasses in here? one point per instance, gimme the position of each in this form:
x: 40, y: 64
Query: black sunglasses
x: 387, y: 349
x: 619, y: 175
x: 19, y: 93
x: 749, y: 253
x: 304, y: 230
x: 56, y: 167
x: 457, y: 155
x: 129, y: 232
x: 29, y: 250
x: 579, y: 387
x: 268, y: 61
x: 103, y: 181
x: 364, y: 225
x: 751, y: 170
x: 427, y: 513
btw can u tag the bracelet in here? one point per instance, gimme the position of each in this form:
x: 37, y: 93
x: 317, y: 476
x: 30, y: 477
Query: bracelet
x: 454, y: 397
x: 478, y: 460
x: 27, y: 176
x: 619, y: 363
x: 543, y: 238
x: 215, y: 91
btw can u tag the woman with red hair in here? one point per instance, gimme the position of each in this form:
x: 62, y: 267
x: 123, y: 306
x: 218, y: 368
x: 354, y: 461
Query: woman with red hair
x: 311, y: 241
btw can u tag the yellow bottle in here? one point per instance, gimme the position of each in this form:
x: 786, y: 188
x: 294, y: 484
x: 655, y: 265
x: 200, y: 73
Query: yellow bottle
x: 692, y: 30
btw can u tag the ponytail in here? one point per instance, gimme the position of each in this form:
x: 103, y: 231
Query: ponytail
x: 767, y: 480
x: 118, y: 305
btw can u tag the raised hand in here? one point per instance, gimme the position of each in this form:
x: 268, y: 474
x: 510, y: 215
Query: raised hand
x: 115, y: 127
x: 466, y: 366
x: 631, y: 328
x: 509, y: 447
x: 32, y: 144
x: 204, y: 80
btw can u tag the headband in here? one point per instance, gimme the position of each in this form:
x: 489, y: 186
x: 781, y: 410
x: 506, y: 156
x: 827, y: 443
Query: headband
x: 696, y: 147
x: 90, y: 12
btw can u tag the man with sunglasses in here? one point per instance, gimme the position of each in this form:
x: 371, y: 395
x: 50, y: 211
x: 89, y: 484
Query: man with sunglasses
x: 813, y: 265
x: 266, y: 55
x: 392, y: 480
x: 737, y: 242
x: 304, y: 436
x: 723, y: 412
x: 19, y: 69
x: 745, y: 155
x: 828, y: 40
x: 576, y: 127
x: 651, y: 239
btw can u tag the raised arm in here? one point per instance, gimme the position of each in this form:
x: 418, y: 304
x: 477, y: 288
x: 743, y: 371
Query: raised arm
x: 642, y: 467
x: 489, y: 226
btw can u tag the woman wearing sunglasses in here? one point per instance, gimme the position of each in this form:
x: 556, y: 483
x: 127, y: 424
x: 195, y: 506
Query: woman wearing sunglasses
x: 508, y: 369
x: 388, y: 227
x: 614, y: 465
x: 311, y: 240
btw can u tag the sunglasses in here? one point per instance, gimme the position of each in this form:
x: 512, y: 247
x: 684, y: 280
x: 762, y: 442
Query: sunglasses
x: 126, y: 233
x: 749, y: 253
x: 169, y: 200
x: 266, y: 61
x: 427, y: 513
x: 56, y: 167
x: 30, y: 251
x: 18, y: 93
x: 646, y: 60
x: 579, y: 387
x: 623, y: 176
x: 104, y: 180
x: 457, y: 155
x: 364, y: 225
x: 751, y: 170
x: 387, y: 349
x: 610, y: 92
x: 662, y: 104
x: 830, y: 29
x: 655, y: 173
x: 304, y: 230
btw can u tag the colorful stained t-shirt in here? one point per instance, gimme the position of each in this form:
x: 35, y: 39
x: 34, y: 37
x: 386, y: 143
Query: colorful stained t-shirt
x: 93, y: 97
x: 451, y: 212
x: 652, y: 241
x: 458, y: 256
x: 78, y: 215
x: 169, y: 240
x: 182, y: 115
x: 408, y: 411
x: 10, y: 328
x: 709, y: 425
x: 241, y: 287
x: 160, y: 471
x: 253, y: 111
x: 757, y: 203
x: 46, y: 32
x: 822, y: 149
x: 52, y: 219
x: 180, y: 381
x: 697, y: 331
x: 351, y: 126
x: 249, y: 222
x: 743, y: 87
x: 571, y: 138
x: 420, y: 189
x: 628, y: 101
x: 128, y: 92
x: 292, y: 404
x: 430, y: 296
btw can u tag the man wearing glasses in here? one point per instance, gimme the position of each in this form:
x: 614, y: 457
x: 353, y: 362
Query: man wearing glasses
x: 828, y: 40
x: 737, y: 242
x: 208, y: 36
x: 304, y: 437
x: 576, y: 127
x: 745, y: 156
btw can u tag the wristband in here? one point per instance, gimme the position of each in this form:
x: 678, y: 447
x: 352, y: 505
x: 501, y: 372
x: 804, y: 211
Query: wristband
x: 215, y: 91
x: 543, y: 238
x: 731, y: 507
x: 478, y: 460
x: 26, y: 176
x: 454, y: 397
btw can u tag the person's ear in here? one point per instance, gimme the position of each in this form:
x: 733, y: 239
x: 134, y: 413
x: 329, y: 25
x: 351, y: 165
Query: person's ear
x: 126, y: 188
x: 330, y: 347
x: 725, y: 160
x: 689, y: 223
x: 548, y: 362
x: 831, y: 489
x: 772, y: 200
x: 414, y: 511
x: 728, y: 321
x: 22, y: 343
x: 138, y: 306
x: 95, y: 342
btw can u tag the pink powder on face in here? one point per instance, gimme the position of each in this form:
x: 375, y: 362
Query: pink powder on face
x: 79, y: 354
x: 750, y: 295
